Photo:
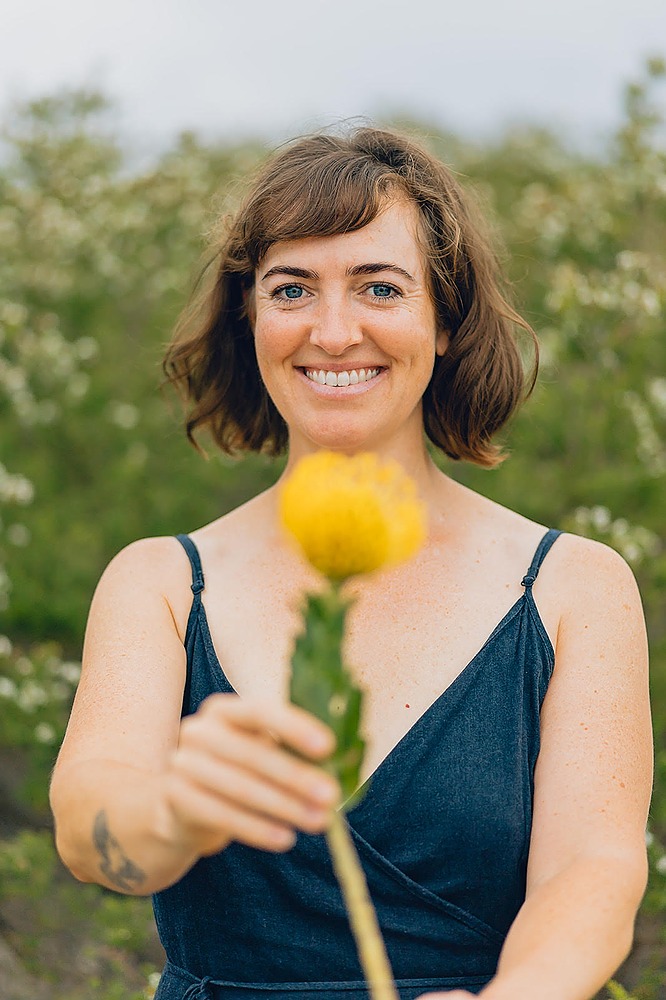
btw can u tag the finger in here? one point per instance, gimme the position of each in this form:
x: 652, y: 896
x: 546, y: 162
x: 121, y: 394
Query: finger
x: 249, y: 792
x: 288, y: 723
x: 219, y: 820
x: 265, y: 758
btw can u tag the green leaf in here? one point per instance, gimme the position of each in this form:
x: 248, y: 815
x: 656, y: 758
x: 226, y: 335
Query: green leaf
x: 321, y: 684
x: 617, y: 990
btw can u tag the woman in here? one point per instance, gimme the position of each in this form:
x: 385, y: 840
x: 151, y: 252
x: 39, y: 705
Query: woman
x: 355, y: 306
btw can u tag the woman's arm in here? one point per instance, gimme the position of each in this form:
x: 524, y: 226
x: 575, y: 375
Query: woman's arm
x: 587, y: 866
x: 138, y: 796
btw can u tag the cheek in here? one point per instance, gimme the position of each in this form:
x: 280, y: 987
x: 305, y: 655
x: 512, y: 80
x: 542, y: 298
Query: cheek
x: 275, y: 342
x: 275, y: 336
x: 421, y: 346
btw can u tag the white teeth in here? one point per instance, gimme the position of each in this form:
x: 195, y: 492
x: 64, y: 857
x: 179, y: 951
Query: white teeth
x: 352, y: 377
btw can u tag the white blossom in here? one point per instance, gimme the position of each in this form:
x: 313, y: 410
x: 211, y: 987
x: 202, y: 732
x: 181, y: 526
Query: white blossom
x: 124, y: 415
x: 8, y: 688
x: 18, y: 534
x: 44, y: 733
x: 69, y: 671
x: 31, y: 695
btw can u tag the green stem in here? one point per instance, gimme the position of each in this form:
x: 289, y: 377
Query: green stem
x: 362, y: 916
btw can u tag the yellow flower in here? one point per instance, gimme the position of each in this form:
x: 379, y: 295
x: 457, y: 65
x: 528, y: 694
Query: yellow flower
x: 352, y: 514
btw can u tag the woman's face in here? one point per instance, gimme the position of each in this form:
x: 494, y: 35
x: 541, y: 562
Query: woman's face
x: 346, y: 335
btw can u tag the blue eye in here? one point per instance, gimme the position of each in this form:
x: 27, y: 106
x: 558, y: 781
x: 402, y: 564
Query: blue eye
x: 288, y: 293
x: 382, y: 291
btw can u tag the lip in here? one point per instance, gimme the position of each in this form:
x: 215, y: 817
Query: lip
x: 340, y: 391
x: 339, y: 368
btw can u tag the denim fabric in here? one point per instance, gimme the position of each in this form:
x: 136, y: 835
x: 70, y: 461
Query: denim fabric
x: 442, y: 832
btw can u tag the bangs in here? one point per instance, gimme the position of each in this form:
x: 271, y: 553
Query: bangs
x: 316, y: 196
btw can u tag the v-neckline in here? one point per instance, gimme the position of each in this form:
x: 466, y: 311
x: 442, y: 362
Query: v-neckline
x: 448, y: 694
x: 525, y: 599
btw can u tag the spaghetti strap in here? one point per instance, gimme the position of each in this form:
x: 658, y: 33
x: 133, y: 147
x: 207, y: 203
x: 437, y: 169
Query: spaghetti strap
x: 195, y: 563
x: 542, y: 551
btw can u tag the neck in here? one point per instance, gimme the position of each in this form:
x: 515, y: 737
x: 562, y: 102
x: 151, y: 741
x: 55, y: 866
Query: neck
x: 415, y: 460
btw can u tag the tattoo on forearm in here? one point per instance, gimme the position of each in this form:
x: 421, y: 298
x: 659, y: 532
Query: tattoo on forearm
x: 115, y: 864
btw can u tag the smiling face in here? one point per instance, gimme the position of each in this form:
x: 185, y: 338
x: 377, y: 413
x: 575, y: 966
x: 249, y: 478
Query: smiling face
x: 346, y: 335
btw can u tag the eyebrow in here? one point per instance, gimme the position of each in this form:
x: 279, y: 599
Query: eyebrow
x: 352, y: 272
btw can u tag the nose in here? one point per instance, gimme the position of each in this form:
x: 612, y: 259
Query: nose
x: 335, y: 328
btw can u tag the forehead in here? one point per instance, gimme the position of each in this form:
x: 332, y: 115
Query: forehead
x: 391, y: 237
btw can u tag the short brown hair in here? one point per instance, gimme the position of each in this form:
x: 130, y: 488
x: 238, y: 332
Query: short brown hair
x: 325, y: 185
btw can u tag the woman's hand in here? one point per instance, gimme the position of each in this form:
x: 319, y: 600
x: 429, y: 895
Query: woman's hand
x: 234, y: 776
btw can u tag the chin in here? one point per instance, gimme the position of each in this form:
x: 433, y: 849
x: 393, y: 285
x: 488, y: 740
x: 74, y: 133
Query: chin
x: 343, y: 438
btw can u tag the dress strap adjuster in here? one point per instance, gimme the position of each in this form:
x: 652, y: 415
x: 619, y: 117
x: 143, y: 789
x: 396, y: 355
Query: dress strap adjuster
x: 539, y: 556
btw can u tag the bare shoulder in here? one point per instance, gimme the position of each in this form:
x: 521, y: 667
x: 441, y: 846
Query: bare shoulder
x: 128, y: 701
x: 147, y: 558
x: 590, y: 575
x: 582, y: 585
x: 154, y: 568
x: 583, y: 556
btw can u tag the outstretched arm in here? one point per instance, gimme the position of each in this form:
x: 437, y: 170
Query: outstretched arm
x: 137, y: 795
x: 587, y: 866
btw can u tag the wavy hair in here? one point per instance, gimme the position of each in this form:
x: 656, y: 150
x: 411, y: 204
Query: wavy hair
x: 326, y: 185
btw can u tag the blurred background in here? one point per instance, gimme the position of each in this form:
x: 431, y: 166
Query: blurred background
x: 123, y: 130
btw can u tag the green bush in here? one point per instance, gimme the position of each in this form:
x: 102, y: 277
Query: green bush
x: 96, y: 262
x: 72, y: 935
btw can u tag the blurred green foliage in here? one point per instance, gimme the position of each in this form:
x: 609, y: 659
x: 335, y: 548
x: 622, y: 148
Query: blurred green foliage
x: 97, y: 260
x: 61, y: 928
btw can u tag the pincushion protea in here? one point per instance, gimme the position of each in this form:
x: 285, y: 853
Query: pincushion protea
x: 349, y: 515
x: 352, y: 515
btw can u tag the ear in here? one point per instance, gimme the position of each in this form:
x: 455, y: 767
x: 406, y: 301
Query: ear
x: 441, y: 342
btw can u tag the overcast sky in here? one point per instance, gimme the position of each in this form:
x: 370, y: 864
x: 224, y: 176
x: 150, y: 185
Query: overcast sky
x: 274, y: 67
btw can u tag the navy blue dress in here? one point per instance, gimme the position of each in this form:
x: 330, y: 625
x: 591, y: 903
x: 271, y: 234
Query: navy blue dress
x: 443, y: 834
